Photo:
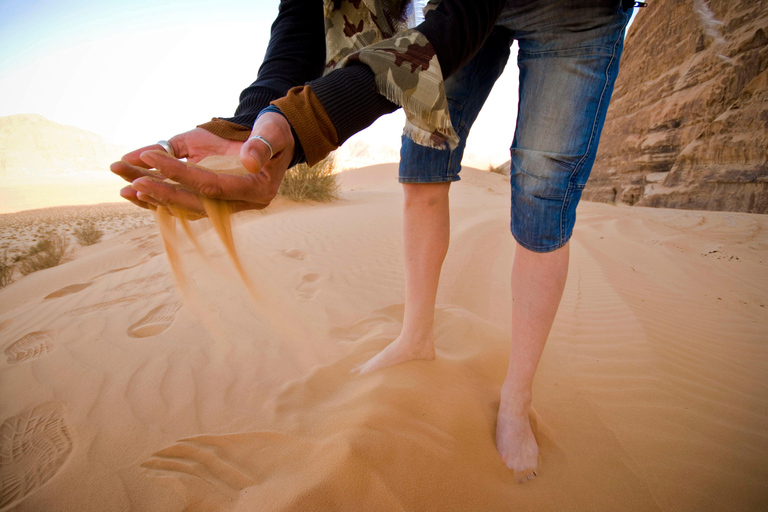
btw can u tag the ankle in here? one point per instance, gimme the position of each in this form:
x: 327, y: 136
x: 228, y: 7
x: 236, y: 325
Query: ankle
x: 417, y: 347
x: 515, y: 401
x: 420, y: 335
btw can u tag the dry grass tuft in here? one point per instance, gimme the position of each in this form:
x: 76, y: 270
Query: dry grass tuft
x: 7, y: 269
x: 318, y: 183
x: 49, y: 252
x: 87, y: 233
x: 498, y: 169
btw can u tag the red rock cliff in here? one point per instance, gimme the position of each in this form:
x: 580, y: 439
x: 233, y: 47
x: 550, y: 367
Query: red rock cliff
x: 688, y: 123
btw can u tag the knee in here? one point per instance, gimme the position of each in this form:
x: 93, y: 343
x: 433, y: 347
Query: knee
x: 547, y: 174
x: 429, y: 195
x: 546, y: 188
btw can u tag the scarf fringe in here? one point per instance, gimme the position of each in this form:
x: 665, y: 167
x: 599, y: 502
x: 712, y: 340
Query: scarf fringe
x: 429, y: 124
x: 424, y: 138
x: 423, y: 112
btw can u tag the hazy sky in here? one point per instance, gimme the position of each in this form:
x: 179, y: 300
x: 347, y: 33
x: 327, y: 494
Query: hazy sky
x: 133, y: 71
x: 136, y: 71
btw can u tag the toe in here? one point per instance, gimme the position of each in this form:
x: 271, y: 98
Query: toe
x: 525, y: 475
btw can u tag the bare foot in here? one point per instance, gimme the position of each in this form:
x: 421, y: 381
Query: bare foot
x: 399, y: 351
x: 516, y: 443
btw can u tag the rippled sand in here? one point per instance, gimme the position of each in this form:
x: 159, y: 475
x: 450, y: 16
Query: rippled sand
x: 119, y: 393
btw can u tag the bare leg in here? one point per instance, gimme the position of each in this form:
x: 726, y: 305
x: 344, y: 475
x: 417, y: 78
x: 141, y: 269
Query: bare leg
x: 426, y: 234
x: 538, y: 280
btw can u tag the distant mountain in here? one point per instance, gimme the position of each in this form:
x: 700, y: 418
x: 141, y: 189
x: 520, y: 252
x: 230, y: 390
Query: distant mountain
x: 31, y: 146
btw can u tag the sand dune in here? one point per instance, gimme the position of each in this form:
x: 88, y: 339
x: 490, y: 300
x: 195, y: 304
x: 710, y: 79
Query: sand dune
x: 118, y: 393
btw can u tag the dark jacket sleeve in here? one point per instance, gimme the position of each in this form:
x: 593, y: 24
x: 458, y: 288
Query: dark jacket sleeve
x: 295, y: 55
x: 457, y: 30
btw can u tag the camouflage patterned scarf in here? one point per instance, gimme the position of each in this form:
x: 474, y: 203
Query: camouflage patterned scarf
x: 407, y: 70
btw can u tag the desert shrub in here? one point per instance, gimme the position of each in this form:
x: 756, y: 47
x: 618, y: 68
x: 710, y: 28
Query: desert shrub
x: 304, y: 183
x: 7, y: 269
x: 87, y: 233
x: 498, y: 169
x: 53, y: 250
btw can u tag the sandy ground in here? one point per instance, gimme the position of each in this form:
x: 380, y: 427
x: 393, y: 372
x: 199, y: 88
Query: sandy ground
x: 118, y: 394
x: 21, y: 230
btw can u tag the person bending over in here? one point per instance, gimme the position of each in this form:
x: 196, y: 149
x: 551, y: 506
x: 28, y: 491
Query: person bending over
x: 315, y: 89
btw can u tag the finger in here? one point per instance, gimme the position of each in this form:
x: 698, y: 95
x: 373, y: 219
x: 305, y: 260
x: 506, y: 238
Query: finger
x: 254, y: 154
x: 191, y: 176
x: 131, y: 195
x: 202, y: 181
x: 134, y: 157
x: 127, y: 171
x: 240, y: 206
x: 168, y: 195
x: 268, y: 172
x: 147, y: 201
x: 150, y: 203
x: 179, y: 145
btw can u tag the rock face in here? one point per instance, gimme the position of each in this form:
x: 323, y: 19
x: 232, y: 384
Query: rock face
x: 31, y: 146
x: 688, y: 123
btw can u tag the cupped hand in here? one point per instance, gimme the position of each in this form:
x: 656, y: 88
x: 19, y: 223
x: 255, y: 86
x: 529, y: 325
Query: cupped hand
x: 193, y: 145
x: 254, y: 190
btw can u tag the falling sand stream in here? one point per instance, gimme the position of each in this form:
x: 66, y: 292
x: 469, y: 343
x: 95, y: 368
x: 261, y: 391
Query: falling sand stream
x: 219, y: 214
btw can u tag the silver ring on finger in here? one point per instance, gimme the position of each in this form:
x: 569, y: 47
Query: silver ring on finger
x: 265, y: 141
x: 167, y: 147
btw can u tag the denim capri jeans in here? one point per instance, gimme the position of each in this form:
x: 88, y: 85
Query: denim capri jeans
x: 568, y: 61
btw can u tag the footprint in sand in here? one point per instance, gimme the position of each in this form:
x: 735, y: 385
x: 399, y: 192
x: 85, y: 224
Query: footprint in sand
x: 33, y: 447
x: 384, y: 323
x: 294, y: 254
x: 122, y: 301
x: 114, y: 270
x: 149, y: 244
x: 306, y: 288
x: 156, y: 321
x: 142, y: 283
x: 102, y: 306
x: 68, y: 290
x: 6, y: 323
x: 144, y: 237
x: 31, y: 346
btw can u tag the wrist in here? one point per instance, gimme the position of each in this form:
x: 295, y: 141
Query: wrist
x: 298, y: 150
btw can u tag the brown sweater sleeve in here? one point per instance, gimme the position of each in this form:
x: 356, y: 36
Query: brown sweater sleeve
x: 319, y: 112
x: 310, y: 121
x: 226, y: 129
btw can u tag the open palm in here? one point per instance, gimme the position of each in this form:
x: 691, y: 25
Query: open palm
x: 251, y: 191
x: 193, y: 145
